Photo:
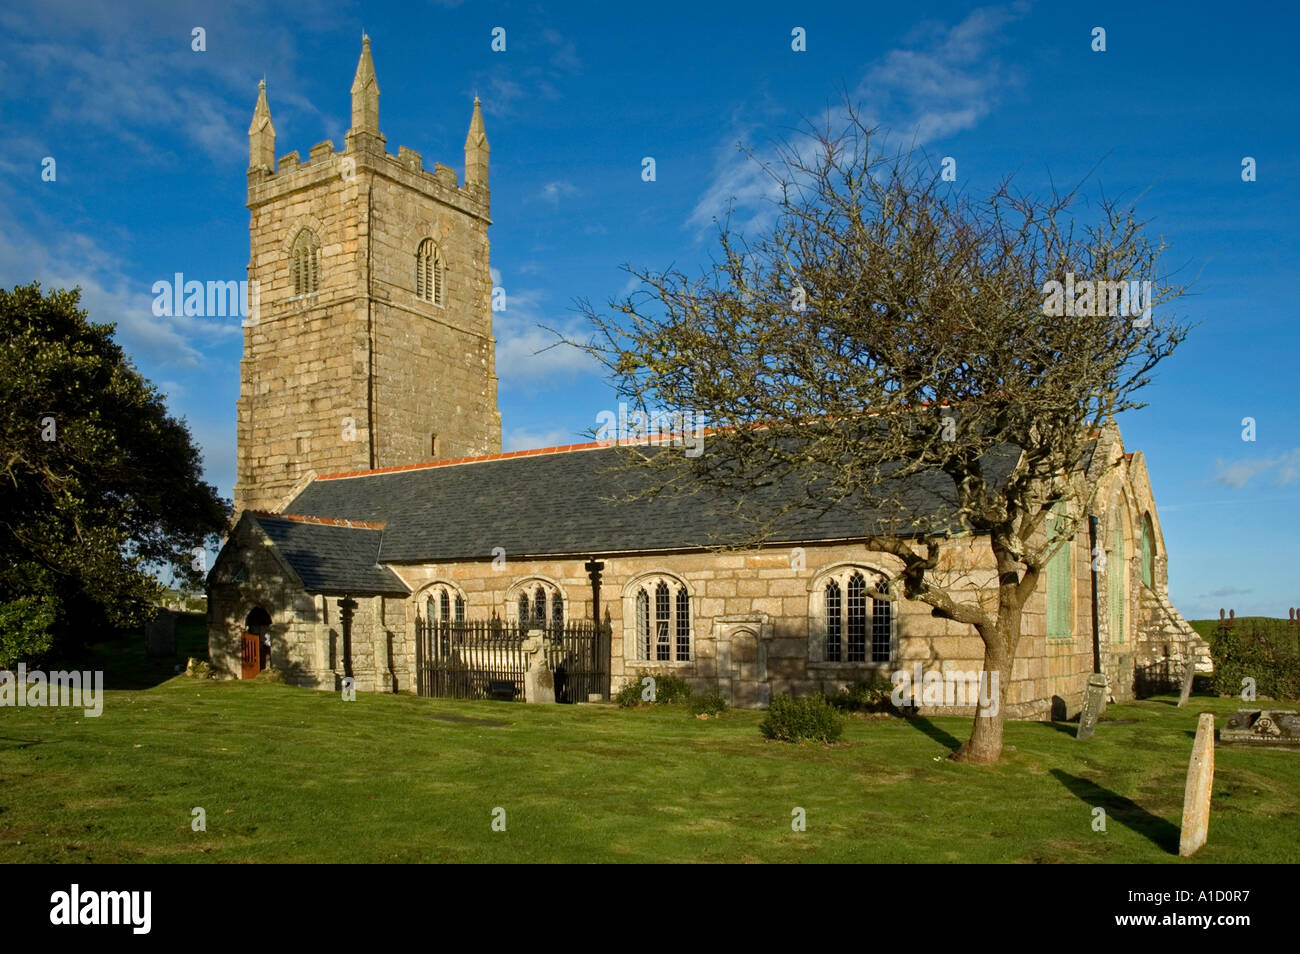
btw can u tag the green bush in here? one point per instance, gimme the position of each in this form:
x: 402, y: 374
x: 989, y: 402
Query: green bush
x: 708, y: 703
x: 864, y: 696
x: 669, y: 690
x: 808, y: 717
x: 1245, y: 651
x: 629, y: 696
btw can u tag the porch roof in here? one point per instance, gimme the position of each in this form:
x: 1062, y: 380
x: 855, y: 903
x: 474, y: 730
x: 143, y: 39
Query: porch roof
x: 332, y: 557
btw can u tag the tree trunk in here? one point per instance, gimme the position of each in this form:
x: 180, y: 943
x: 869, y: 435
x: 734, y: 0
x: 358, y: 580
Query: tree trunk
x: 985, y: 742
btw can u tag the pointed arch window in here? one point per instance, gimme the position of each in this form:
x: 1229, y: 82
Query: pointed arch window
x: 642, y: 624
x: 1148, y: 551
x: 537, y: 604
x: 444, y: 604
x: 429, y: 273
x: 1060, y: 578
x: 1117, y: 567
x: 855, y: 627
x: 304, y: 263
x: 661, y: 612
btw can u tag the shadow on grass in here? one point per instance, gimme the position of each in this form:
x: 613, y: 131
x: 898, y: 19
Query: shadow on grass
x: 951, y: 742
x: 20, y: 743
x: 126, y: 665
x: 1069, y: 728
x: 1162, y: 834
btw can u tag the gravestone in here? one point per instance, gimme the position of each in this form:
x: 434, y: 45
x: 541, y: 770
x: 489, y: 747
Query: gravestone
x: 1200, y: 783
x: 539, y: 683
x: 1094, y: 701
x: 1189, y: 676
x: 1275, y: 727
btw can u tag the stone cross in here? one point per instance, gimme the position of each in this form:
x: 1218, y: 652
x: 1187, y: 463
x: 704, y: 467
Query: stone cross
x: 539, y: 682
x: 1200, y: 783
x: 1094, y: 700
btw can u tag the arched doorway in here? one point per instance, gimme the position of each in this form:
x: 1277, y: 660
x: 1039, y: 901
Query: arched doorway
x: 255, y: 645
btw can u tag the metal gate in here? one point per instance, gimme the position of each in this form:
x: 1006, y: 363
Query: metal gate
x: 482, y: 659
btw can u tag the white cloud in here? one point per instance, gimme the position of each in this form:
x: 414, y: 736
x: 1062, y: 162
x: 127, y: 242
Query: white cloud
x: 66, y: 260
x: 945, y: 84
x: 552, y: 192
x: 1288, y: 467
x: 527, y: 351
x: 144, y: 85
x: 522, y: 438
x: 565, y: 57
x: 1236, y: 474
x: 1229, y: 591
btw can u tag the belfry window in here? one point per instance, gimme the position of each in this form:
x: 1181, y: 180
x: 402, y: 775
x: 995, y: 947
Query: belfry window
x: 429, y: 272
x: 304, y: 263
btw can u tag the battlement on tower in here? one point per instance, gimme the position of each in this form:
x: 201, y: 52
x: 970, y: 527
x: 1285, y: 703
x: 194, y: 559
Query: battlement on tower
x: 374, y: 343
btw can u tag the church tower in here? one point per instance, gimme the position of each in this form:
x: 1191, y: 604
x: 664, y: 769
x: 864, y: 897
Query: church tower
x: 370, y: 344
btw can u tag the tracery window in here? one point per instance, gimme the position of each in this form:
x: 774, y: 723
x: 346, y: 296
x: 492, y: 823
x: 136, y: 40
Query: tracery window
x: 661, y: 614
x: 429, y: 272
x: 304, y: 263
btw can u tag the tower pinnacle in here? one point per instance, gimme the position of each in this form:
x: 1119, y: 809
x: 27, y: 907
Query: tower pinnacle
x: 477, y: 153
x: 365, y: 95
x: 261, y: 135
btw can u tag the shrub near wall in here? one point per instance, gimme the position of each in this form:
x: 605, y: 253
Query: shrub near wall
x: 865, y: 696
x: 808, y: 717
x: 669, y: 690
x: 1245, y: 652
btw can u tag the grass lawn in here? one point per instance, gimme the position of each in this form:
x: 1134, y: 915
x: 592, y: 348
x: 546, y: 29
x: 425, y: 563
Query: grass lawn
x: 296, y: 775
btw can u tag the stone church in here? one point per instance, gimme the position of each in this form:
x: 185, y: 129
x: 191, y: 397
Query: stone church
x: 373, y: 499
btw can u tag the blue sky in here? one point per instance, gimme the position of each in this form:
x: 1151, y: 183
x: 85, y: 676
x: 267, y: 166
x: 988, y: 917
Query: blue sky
x: 150, y: 143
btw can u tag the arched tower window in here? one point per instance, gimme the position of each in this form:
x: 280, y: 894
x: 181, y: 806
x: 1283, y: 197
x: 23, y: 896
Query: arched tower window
x: 429, y: 272
x: 1148, y: 551
x: 304, y: 263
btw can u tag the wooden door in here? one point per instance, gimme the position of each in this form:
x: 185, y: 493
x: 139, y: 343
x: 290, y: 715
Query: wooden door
x: 252, y: 655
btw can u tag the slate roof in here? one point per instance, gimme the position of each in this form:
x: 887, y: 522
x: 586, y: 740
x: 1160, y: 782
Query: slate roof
x: 332, y: 558
x: 564, y: 502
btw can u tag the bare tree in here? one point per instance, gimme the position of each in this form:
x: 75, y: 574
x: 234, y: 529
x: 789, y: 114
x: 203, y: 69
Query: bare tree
x: 887, y: 326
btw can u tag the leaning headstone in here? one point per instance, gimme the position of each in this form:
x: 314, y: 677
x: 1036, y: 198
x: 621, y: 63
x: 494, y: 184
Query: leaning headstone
x: 1200, y: 783
x: 539, y: 682
x: 1189, y: 676
x: 1094, y: 701
x: 1279, y: 727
